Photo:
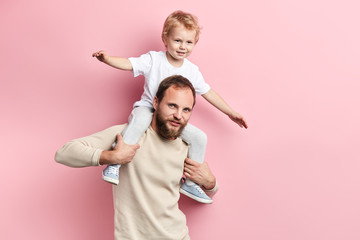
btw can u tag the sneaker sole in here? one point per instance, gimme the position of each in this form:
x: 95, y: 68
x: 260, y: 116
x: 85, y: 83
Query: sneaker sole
x: 110, y: 180
x: 195, y: 197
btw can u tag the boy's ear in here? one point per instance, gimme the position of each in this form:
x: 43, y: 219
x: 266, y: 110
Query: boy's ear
x: 164, y: 41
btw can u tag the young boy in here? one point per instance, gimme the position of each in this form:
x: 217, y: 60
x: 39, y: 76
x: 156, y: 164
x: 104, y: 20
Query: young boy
x: 180, y: 35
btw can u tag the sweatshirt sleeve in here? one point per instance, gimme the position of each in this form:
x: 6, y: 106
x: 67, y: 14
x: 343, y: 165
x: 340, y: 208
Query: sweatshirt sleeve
x: 86, y: 151
x: 213, y: 191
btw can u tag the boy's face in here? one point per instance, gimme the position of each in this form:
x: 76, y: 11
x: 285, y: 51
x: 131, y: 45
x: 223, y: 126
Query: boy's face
x: 180, y: 43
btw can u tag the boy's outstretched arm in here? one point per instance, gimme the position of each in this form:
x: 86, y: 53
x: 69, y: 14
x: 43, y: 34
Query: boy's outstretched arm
x: 116, y: 62
x: 216, y: 100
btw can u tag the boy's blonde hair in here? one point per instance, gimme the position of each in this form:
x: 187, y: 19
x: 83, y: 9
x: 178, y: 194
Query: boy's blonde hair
x: 189, y: 21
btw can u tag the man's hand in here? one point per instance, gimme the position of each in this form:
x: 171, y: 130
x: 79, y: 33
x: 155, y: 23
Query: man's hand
x: 101, y: 56
x: 199, y: 173
x: 121, y: 154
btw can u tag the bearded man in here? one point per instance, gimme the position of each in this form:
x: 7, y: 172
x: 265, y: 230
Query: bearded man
x: 146, y: 198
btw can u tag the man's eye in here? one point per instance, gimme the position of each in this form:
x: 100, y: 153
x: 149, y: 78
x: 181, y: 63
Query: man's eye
x: 187, y: 110
x: 171, y: 105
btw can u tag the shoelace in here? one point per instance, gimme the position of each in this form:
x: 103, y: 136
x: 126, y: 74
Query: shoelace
x: 198, y: 188
x: 112, y: 170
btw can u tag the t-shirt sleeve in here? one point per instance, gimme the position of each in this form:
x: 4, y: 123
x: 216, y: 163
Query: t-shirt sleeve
x: 201, y: 87
x: 141, y: 65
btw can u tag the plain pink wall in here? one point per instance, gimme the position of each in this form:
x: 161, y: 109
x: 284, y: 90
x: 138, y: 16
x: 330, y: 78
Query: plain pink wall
x: 290, y: 67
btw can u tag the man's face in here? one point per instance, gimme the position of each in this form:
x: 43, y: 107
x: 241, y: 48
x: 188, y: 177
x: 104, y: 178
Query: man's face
x: 173, y: 112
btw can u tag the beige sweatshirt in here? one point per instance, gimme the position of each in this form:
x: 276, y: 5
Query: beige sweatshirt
x: 146, y: 199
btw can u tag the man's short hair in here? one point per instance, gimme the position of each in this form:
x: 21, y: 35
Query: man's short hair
x: 176, y: 80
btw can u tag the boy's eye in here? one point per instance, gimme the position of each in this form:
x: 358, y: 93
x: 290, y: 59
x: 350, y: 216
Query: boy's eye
x: 189, y: 42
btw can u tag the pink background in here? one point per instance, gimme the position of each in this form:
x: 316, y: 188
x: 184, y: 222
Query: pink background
x: 290, y: 67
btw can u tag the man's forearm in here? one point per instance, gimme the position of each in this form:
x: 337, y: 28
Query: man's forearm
x: 86, y: 151
x: 76, y: 154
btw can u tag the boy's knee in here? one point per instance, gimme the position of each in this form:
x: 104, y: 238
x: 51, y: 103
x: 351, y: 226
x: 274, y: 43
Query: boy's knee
x: 201, y: 136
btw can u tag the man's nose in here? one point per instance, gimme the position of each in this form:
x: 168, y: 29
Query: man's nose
x: 177, y: 114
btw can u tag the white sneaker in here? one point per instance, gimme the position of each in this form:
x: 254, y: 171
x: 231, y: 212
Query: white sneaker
x: 195, y: 192
x: 111, y: 174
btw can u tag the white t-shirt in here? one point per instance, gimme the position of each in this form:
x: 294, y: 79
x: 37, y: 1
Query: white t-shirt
x: 155, y: 67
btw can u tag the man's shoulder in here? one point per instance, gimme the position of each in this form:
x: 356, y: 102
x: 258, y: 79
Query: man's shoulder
x: 116, y: 128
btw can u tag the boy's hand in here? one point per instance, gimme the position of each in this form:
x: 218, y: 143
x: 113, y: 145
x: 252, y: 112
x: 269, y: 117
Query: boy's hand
x: 239, y: 120
x: 101, y: 56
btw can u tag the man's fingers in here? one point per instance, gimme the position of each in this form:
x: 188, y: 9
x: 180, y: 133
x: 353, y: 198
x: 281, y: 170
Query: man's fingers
x: 191, y: 162
x: 119, y: 137
x: 136, y: 146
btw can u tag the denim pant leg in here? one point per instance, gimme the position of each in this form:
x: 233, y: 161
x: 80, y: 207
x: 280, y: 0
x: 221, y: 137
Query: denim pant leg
x: 139, y: 121
x: 196, y: 140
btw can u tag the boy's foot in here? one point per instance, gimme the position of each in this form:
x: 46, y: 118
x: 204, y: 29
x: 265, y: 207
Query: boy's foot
x: 111, y: 174
x: 195, y: 192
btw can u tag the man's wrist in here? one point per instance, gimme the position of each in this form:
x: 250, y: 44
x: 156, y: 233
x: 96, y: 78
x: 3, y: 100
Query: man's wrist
x: 105, y: 158
x: 211, y: 184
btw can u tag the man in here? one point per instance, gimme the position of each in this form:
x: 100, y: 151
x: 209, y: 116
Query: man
x: 146, y: 199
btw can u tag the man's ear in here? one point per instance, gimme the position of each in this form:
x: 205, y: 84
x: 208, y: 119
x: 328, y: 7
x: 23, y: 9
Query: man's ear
x: 155, y: 103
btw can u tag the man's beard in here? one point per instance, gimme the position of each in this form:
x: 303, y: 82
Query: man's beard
x: 164, y: 131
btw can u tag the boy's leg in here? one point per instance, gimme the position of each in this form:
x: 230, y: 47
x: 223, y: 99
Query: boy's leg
x: 196, y: 140
x: 139, y: 120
